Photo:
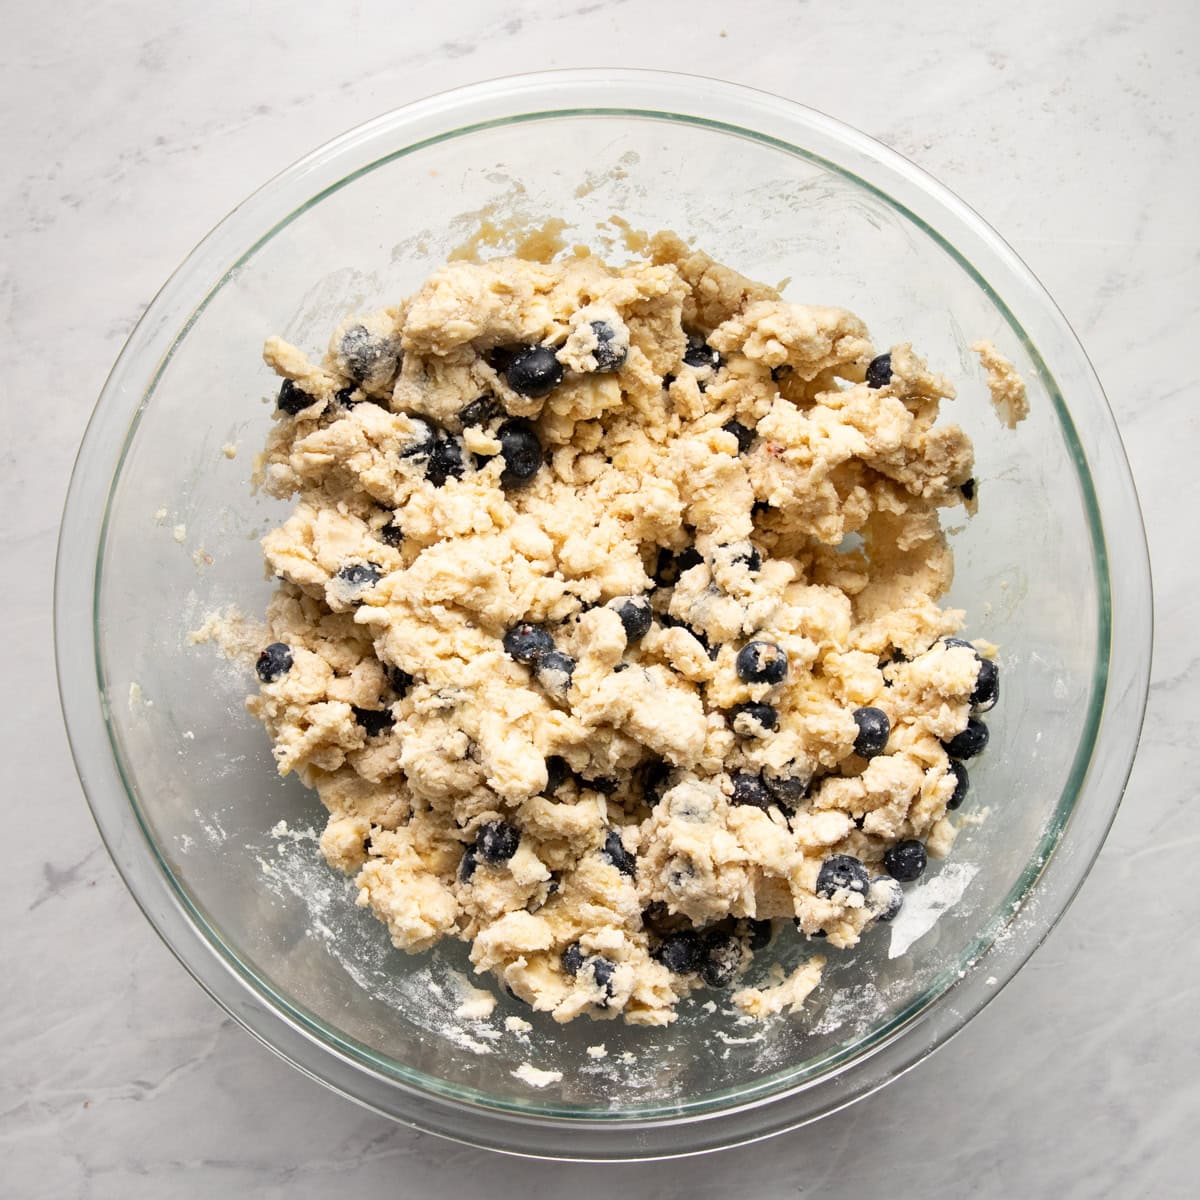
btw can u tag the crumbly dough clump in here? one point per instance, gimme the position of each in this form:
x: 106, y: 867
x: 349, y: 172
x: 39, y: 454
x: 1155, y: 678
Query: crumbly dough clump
x: 690, y: 464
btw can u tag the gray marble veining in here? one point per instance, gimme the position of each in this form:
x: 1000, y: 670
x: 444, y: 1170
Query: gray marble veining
x: 131, y: 129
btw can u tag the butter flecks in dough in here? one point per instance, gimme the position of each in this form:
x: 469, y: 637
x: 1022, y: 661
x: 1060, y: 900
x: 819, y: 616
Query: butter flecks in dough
x: 397, y: 585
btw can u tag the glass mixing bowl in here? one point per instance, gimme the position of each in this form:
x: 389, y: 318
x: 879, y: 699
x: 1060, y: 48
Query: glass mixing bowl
x: 161, y: 529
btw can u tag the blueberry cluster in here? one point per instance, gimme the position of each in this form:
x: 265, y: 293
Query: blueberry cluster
x: 532, y: 646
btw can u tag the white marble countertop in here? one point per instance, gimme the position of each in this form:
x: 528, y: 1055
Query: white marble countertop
x: 132, y: 128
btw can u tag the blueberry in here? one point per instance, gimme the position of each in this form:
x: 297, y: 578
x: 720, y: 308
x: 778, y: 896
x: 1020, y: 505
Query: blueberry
x: 424, y: 438
x: 786, y: 790
x: 527, y: 643
x: 521, y: 451
x: 360, y: 350
x: 681, y: 953
x: 274, y: 661
x: 762, y: 662
x: 467, y: 864
x: 400, y: 679
x: 751, y: 719
x: 987, y: 686
x: 722, y: 957
x: 478, y: 412
x: 777, y: 373
x: 636, y: 616
x: 391, y: 533
x: 874, y: 729
x: 670, y: 566
x: 292, y: 399
x: 345, y: 397
x: 445, y: 461
x: 700, y: 354
x: 361, y: 575
x: 497, y: 842
x: 885, y: 897
x: 970, y: 742
x: 622, y: 666
x: 654, y: 779
x: 962, y: 783
x: 373, y: 720
x: 967, y: 487
x: 558, y: 771
x: 602, y: 973
x: 572, y: 959
x: 905, y: 860
x: 609, y: 357
x: 749, y: 789
x: 751, y: 558
x: 879, y: 373
x: 554, y: 670
x: 534, y: 371
x: 758, y: 932
x: 745, y: 436
x: 606, y: 785
x: 841, y: 872
x: 614, y: 850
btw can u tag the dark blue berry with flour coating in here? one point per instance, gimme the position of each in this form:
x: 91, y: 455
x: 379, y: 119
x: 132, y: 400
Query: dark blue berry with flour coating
x: 874, y: 729
x: 527, y: 642
x: 572, y: 958
x: 364, y: 353
x: 749, y: 789
x: 521, y: 451
x: 609, y: 354
x: 905, y: 860
x: 786, y: 790
x: 361, y: 576
x: 479, y: 412
x: 762, y: 662
x: 700, y: 354
x: 879, y: 373
x: 753, y: 720
x: 467, y: 864
x: 636, y: 617
x: 987, y: 686
x: 681, y: 953
x: 722, y: 958
x: 274, y: 662
x: 962, y: 784
x: 445, y: 461
x: 534, y: 371
x: 615, y: 852
x: 971, y: 741
x: 841, y: 872
x: 293, y: 399
x: 424, y: 437
x: 554, y: 670
x: 497, y: 842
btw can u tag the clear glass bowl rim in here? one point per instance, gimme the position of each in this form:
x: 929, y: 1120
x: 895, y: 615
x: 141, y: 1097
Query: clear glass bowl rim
x: 791, y: 1098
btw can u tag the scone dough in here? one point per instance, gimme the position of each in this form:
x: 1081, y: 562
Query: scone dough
x: 569, y: 816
